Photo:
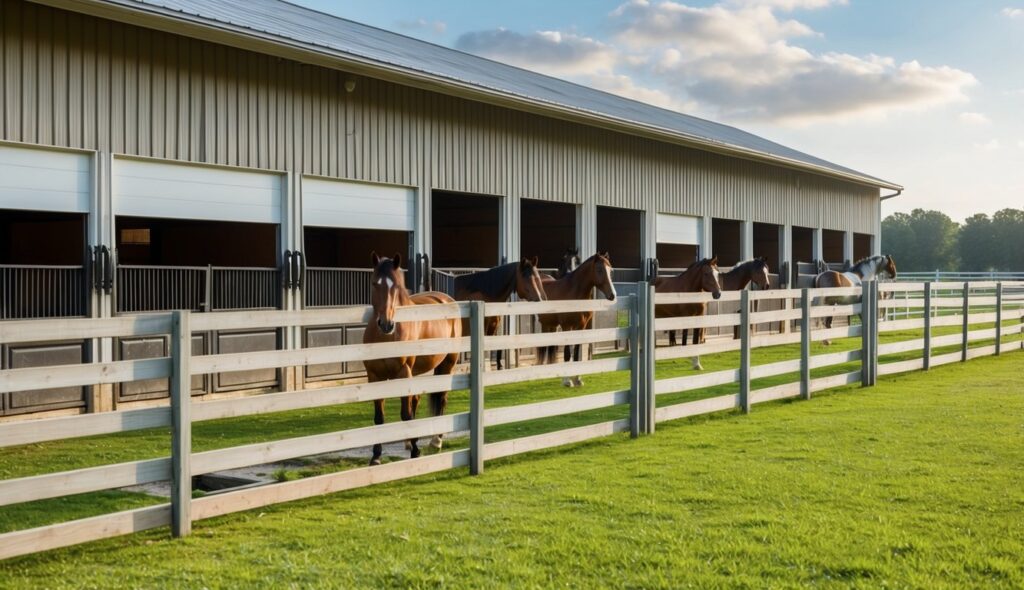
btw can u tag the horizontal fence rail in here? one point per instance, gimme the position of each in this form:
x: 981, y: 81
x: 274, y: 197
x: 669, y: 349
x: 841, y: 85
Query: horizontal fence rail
x: 947, y: 322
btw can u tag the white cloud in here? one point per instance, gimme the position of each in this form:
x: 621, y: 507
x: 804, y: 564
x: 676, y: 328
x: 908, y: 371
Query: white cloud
x: 421, y: 24
x: 975, y: 119
x: 549, y: 52
x: 1013, y: 12
x: 1020, y: 143
x: 737, y: 59
x: 989, y: 146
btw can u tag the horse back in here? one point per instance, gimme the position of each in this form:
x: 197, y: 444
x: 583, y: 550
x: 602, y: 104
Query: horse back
x: 831, y: 278
x: 431, y: 298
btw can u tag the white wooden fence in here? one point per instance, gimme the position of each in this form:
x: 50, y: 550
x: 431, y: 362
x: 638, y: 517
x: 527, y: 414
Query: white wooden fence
x: 641, y: 396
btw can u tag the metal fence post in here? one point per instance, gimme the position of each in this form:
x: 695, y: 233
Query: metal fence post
x: 866, y: 318
x: 966, y: 311
x: 745, y: 351
x: 927, y: 352
x: 647, y: 358
x: 635, y: 369
x: 181, y: 425
x: 999, y: 318
x: 805, y: 343
x: 477, y: 365
x: 875, y: 320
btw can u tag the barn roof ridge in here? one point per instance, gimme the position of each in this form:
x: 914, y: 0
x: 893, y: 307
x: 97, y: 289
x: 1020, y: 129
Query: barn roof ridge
x: 262, y: 24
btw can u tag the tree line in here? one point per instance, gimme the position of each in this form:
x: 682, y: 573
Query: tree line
x: 925, y: 240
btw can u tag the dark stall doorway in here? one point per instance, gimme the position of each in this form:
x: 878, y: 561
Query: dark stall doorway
x: 676, y: 256
x: 43, y: 275
x: 725, y: 241
x: 832, y: 246
x: 766, y: 244
x: 861, y: 246
x: 465, y: 231
x: 338, y: 263
x: 546, y: 230
x: 803, y: 244
x: 185, y: 242
x: 620, y: 233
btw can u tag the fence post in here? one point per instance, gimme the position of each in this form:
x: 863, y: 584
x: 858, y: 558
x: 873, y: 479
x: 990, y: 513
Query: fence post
x: 999, y: 318
x: 635, y: 369
x: 477, y: 365
x: 647, y: 358
x: 967, y: 309
x: 927, y: 352
x: 805, y: 343
x: 745, y: 351
x: 875, y: 297
x: 867, y: 318
x: 181, y: 424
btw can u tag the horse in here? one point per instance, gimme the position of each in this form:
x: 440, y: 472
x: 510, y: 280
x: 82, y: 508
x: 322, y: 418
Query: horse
x: 594, y: 272
x: 701, y: 276
x: 736, y: 279
x: 570, y: 261
x: 498, y: 284
x: 388, y: 292
x: 880, y: 267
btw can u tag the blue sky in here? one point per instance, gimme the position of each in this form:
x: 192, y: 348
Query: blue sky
x: 926, y: 94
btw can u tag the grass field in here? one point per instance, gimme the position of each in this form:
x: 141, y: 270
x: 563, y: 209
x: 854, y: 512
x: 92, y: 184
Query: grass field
x: 916, y: 482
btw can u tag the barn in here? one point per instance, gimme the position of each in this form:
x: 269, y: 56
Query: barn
x: 248, y: 154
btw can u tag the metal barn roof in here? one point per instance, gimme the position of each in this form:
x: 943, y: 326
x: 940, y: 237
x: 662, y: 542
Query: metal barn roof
x: 350, y: 42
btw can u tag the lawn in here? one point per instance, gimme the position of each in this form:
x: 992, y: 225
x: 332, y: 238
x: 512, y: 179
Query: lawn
x: 916, y: 482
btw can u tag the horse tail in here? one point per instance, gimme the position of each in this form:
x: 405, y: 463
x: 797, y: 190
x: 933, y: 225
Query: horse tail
x: 438, y: 402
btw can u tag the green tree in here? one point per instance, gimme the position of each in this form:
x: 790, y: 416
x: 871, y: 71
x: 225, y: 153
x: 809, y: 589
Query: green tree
x: 921, y: 240
x: 976, y: 244
x: 898, y: 239
x: 1008, y: 237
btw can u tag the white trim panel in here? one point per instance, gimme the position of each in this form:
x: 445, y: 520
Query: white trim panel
x: 339, y: 203
x: 146, y: 188
x: 678, y: 229
x: 44, y: 180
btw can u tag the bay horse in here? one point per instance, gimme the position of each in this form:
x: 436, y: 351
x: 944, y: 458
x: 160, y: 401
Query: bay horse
x: 570, y: 261
x: 387, y: 293
x: 875, y: 267
x: 701, y: 276
x: 496, y: 285
x: 736, y: 279
x: 594, y: 273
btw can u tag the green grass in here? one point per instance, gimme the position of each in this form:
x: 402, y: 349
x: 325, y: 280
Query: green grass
x: 916, y: 482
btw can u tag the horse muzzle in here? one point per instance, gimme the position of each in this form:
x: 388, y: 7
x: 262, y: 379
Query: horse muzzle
x: 387, y: 327
x: 717, y: 295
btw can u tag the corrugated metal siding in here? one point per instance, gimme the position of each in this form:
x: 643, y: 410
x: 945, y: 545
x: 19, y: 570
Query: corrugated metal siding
x: 76, y: 81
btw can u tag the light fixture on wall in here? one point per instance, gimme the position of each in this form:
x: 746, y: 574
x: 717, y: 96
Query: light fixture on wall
x: 350, y: 85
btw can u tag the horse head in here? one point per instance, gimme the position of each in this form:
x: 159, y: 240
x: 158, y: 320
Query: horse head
x: 570, y: 262
x: 603, y: 274
x: 528, y: 283
x: 889, y: 269
x: 387, y: 290
x: 759, y: 274
x: 709, y: 277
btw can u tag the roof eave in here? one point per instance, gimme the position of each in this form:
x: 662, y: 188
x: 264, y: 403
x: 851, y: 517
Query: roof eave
x: 224, y: 33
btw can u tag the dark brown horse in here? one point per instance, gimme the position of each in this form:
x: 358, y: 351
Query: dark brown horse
x: 736, y: 279
x: 701, y: 276
x: 496, y: 285
x: 594, y: 273
x: 387, y: 286
x: 875, y: 267
x: 570, y: 260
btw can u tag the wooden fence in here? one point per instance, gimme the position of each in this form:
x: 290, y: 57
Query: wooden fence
x: 806, y: 307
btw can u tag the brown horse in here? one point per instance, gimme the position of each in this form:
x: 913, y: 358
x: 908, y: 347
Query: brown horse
x: 701, y: 276
x: 388, y: 292
x: 875, y: 267
x: 497, y: 284
x: 736, y: 279
x: 594, y: 272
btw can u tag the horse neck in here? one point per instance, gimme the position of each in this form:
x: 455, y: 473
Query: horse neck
x: 737, y: 278
x: 866, y: 270
x: 580, y: 282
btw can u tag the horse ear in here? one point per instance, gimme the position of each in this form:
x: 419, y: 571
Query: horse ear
x: 714, y: 261
x: 535, y: 261
x: 397, y: 259
x: 374, y: 258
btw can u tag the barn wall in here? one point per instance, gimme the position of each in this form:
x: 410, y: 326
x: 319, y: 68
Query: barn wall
x: 81, y: 82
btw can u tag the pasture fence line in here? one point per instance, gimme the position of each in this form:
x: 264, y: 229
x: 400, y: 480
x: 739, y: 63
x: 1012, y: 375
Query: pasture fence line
x: 943, y: 314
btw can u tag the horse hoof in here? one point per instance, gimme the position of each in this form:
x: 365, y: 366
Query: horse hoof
x: 414, y: 454
x: 567, y: 382
x: 578, y: 382
x: 826, y: 342
x: 408, y: 446
x: 437, y: 442
x: 374, y: 461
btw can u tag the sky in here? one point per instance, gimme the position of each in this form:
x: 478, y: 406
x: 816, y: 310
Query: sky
x: 929, y: 95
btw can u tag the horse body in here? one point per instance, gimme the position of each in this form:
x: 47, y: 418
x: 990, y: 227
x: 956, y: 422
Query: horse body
x: 497, y: 285
x: 594, y: 273
x: 735, y: 279
x: 701, y: 276
x: 388, y: 292
x: 880, y: 267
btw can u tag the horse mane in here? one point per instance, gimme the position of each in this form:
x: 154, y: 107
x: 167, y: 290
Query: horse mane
x: 491, y: 281
x: 855, y: 267
x: 747, y: 263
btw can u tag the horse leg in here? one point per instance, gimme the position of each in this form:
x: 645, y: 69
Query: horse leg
x: 439, y: 399
x: 698, y: 334
x: 407, y: 414
x: 828, y: 326
x: 577, y: 355
x: 378, y: 419
x: 497, y: 357
x: 686, y: 335
x: 415, y: 405
x: 672, y: 337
